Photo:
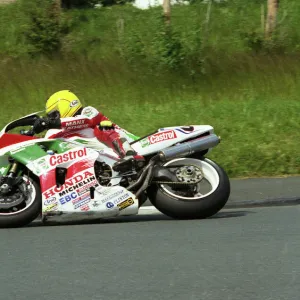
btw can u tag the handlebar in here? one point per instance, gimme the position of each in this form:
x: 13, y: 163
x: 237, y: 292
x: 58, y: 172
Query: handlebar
x: 29, y: 132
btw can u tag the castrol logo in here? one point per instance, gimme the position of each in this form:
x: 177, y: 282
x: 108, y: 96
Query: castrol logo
x: 159, y: 137
x: 66, y: 157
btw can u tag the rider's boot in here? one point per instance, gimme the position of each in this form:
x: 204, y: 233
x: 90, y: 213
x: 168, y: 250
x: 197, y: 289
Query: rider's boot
x: 129, y: 158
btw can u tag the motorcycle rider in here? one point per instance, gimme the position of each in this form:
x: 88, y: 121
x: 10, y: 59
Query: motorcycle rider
x: 65, y: 111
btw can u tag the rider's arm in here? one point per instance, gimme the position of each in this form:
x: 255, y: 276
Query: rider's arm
x: 89, y: 118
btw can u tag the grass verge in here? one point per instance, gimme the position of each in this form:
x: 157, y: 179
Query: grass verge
x: 254, y: 106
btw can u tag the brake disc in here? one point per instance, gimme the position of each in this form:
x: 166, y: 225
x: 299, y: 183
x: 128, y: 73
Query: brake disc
x: 13, y: 198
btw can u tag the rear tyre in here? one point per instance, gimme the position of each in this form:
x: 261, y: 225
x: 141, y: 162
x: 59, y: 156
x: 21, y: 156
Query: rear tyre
x: 25, y: 212
x: 198, y: 206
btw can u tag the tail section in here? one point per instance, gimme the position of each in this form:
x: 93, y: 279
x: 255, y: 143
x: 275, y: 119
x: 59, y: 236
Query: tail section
x: 169, y: 136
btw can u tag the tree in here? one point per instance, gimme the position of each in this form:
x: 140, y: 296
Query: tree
x: 167, y: 11
x: 271, y: 18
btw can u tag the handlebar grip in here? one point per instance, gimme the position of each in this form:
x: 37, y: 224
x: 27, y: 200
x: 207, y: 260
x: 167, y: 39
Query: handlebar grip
x: 29, y: 132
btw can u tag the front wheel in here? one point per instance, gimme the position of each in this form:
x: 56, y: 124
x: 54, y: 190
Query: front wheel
x: 201, y: 200
x: 22, y: 205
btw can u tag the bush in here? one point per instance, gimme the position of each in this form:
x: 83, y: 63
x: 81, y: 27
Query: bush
x: 167, y: 46
x: 78, y: 3
x: 115, y: 2
x: 45, y: 26
x: 91, y: 3
x: 159, y: 45
x: 199, y: 33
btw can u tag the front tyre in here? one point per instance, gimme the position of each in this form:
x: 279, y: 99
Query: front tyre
x: 24, y: 210
x: 192, y: 202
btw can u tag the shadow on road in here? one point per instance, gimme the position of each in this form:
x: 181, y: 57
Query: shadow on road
x: 139, y: 218
x: 232, y: 214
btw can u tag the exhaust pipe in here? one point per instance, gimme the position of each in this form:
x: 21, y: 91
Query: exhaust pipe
x: 189, y: 147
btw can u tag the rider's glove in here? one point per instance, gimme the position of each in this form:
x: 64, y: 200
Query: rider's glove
x: 46, y: 123
x: 106, y: 125
x: 40, y: 125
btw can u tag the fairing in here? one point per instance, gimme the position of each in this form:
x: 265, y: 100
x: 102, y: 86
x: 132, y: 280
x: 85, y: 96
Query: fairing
x: 169, y: 136
x: 163, y: 138
x: 72, y: 200
x: 73, y: 197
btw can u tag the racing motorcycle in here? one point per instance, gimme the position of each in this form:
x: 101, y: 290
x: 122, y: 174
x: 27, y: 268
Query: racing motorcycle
x: 75, y: 178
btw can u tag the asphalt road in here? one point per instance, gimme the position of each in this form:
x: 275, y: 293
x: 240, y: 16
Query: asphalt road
x: 238, y: 254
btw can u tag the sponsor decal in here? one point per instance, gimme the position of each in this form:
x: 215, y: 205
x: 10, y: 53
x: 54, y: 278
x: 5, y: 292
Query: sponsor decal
x: 105, y: 191
x: 71, y: 185
x: 144, y: 143
x: 85, y: 208
x: 86, y: 188
x: 20, y: 148
x: 66, y: 145
x: 86, y: 196
x: 79, y: 184
x: 112, y: 196
x: 68, y: 198
x: 163, y: 136
x: 66, y: 157
x: 83, y: 192
x: 95, y: 204
x: 74, y: 103
x: 79, y: 126
x: 126, y: 203
x: 53, y: 206
x: 17, y: 150
x: 82, y: 203
x: 88, y: 112
x: 109, y: 205
x: 50, y: 201
x: 123, y: 197
x: 42, y: 163
x: 75, y: 123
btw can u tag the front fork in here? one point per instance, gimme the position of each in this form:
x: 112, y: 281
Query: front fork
x: 13, y: 169
x: 9, y: 179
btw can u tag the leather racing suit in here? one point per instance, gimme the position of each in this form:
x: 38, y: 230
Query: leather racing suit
x: 86, y: 124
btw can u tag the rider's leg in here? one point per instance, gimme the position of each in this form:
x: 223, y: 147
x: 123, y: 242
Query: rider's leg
x: 112, y: 139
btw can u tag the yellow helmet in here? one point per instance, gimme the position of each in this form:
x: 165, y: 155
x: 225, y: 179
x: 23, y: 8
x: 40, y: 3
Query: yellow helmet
x: 65, y: 102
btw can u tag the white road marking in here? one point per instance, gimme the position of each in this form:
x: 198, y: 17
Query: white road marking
x: 149, y: 210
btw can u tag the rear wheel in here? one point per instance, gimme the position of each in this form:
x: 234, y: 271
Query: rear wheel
x: 207, y: 196
x: 21, y: 206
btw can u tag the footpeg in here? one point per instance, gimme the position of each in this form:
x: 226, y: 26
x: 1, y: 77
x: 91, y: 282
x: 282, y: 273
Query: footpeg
x: 123, y: 165
x: 137, y: 162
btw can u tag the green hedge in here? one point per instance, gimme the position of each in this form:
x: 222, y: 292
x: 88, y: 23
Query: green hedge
x: 233, y: 28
